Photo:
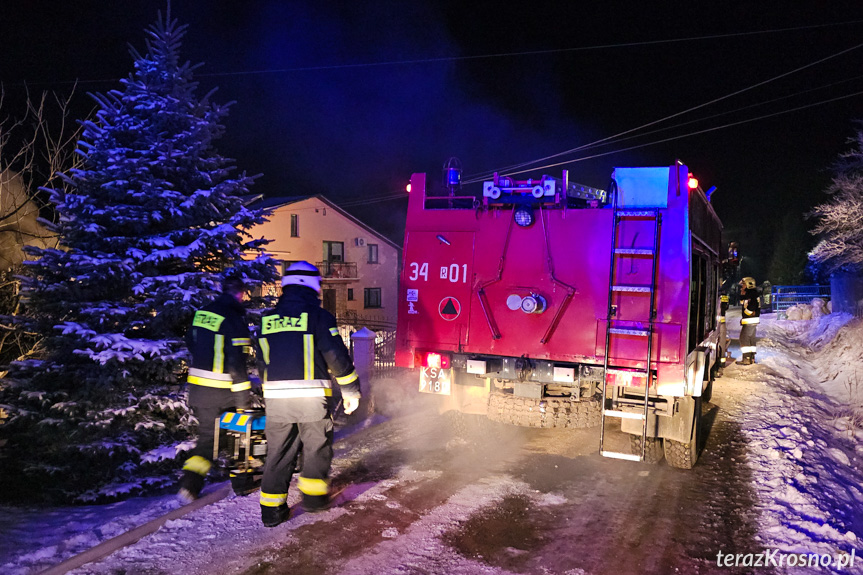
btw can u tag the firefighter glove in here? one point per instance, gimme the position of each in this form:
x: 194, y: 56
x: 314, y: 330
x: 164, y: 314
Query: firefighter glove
x: 351, y: 404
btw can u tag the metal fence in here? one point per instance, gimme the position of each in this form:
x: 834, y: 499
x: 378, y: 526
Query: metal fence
x: 783, y: 297
x: 385, y: 340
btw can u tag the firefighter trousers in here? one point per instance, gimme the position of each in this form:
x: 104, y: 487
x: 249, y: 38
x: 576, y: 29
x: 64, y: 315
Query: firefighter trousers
x: 747, y: 340
x: 208, y: 404
x: 292, y: 423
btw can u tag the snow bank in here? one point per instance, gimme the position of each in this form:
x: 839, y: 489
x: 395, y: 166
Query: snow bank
x: 803, y: 451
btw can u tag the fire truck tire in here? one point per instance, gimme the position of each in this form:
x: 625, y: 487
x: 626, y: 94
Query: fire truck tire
x: 652, y: 451
x: 547, y: 412
x: 684, y: 455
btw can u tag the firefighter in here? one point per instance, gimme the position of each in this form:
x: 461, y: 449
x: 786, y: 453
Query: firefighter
x: 300, y: 346
x: 750, y: 302
x: 218, y: 381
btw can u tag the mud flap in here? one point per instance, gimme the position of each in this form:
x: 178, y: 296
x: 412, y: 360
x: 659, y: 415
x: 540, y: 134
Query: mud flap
x: 677, y: 427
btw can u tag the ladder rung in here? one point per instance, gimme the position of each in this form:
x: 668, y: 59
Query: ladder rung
x: 636, y: 213
x: 634, y: 251
x: 618, y: 455
x: 622, y: 331
x: 639, y: 289
x: 622, y: 414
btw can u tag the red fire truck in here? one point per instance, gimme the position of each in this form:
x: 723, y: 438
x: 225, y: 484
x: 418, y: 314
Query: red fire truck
x: 539, y: 303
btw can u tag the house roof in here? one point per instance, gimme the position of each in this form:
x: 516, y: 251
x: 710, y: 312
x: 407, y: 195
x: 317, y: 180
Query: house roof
x: 282, y: 201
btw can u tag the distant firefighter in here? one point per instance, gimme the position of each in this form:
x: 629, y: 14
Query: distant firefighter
x: 750, y: 302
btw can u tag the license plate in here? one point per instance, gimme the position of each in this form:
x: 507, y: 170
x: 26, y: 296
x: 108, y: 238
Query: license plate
x: 435, y: 380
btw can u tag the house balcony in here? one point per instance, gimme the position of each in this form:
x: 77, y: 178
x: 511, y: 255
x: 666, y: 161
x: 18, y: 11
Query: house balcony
x: 338, y: 270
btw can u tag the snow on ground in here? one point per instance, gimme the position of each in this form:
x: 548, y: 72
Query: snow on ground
x: 31, y: 540
x: 800, y: 409
x: 804, y: 431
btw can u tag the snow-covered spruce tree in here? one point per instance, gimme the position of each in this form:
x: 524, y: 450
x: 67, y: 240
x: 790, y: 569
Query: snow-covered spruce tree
x: 839, y: 229
x: 149, y: 223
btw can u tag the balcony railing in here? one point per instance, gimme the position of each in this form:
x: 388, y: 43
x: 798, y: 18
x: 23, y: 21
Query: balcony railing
x: 338, y: 270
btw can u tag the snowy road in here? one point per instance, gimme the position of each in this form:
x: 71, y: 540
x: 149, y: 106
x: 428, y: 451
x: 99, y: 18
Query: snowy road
x: 778, y: 471
x: 418, y: 500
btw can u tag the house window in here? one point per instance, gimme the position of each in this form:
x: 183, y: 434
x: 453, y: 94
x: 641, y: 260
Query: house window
x: 295, y: 225
x: 334, y: 251
x: 373, y: 253
x: 372, y: 297
x: 350, y: 294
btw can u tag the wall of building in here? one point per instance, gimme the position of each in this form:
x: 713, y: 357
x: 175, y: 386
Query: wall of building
x: 319, y: 222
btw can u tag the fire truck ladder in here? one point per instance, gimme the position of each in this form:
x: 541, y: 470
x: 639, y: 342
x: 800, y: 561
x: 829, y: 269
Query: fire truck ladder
x: 612, y: 328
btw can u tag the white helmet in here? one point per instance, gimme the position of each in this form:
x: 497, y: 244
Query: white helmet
x: 303, y: 274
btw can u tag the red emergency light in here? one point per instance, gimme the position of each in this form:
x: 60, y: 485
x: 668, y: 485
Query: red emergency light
x: 693, y: 182
x: 434, y: 359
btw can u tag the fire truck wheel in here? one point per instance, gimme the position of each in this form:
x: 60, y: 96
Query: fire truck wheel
x: 684, y: 455
x: 548, y: 412
x: 652, y: 451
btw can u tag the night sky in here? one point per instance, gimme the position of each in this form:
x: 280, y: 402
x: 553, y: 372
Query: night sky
x: 348, y: 99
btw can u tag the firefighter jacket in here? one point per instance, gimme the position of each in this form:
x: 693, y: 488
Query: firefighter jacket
x: 218, y: 340
x: 301, y: 346
x: 750, y: 303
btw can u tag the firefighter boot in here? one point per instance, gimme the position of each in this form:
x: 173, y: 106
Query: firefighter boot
x: 190, y: 486
x: 272, y: 516
x: 315, y: 503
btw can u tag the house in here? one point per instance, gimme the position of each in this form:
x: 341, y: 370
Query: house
x: 360, y: 267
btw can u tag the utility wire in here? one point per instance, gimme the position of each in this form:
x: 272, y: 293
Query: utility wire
x: 729, y: 112
x: 402, y: 195
x: 483, y: 175
x: 374, y: 199
x: 474, y: 57
x: 713, y: 129
x: 703, y: 119
x: 530, y: 52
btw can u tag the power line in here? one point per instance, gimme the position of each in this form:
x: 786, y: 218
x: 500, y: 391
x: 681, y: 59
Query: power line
x: 474, y: 57
x: 601, y: 143
x: 527, y: 53
x: 713, y: 129
x: 403, y: 195
x: 482, y: 175
x: 712, y: 116
x: 374, y: 199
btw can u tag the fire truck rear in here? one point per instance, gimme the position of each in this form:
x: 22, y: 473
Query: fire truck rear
x: 547, y: 303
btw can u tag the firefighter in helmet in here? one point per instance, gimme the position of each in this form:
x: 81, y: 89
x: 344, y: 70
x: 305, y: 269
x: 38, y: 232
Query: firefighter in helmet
x: 301, y: 348
x: 218, y: 381
x: 750, y: 302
